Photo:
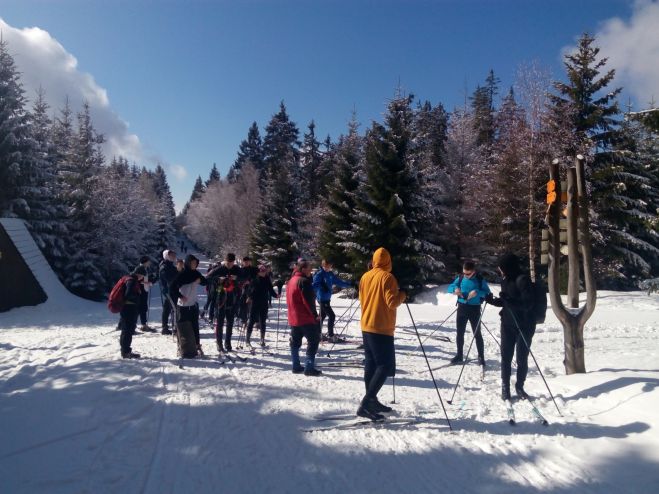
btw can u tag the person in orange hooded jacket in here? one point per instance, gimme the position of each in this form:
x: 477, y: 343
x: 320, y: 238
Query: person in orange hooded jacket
x: 379, y: 296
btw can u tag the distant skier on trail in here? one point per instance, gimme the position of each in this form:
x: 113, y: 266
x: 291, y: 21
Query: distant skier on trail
x: 323, y: 282
x: 379, y: 296
x: 471, y: 289
x: 516, y: 299
x: 303, y: 318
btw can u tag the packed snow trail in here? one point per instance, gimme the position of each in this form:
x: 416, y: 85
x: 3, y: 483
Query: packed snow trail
x: 77, y: 418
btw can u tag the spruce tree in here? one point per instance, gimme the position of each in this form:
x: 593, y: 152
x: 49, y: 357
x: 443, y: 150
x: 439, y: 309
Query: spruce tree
x: 335, y: 236
x: 213, y: 176
x: 310, y: 161
x: 250, y: 151
x: 482, y: 104
x: 280, y: 144
x: 389, y: 210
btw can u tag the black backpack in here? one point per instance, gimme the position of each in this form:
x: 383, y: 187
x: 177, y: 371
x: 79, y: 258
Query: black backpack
x: 539, y: 308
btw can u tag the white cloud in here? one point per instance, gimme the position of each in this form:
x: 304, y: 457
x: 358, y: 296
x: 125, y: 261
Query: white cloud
x: 44, y: 62
x: 633, y: 50
x: 178, y: 171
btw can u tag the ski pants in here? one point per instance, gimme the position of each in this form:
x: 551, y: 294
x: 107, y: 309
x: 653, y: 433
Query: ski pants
x: 144, y: 306
x: 127, y: 323
x: 190, y: 314
x: 471, y: 313
x: 258, y: 313
x: 512, y: 342
x: 311, y: 332
x: 326, y: 310
x: 209, y: 306
x: 379, y: 361
x: 166, y: 313
x: 225, y: 312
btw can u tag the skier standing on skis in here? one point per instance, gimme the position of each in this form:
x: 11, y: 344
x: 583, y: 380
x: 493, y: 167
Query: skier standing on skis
x: 303, y: 318
x: 258, y: 293
x: 248, y: 274
x: 471, y: 289
x: 379, y: 296
x: 225, y: 276
x: 516, y: 299
x: 323, y: 282
x: 184, y: 293
x: 167, y: 274
x: 130, y: 310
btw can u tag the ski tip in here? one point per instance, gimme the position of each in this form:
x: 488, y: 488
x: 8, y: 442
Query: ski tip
x: 512, y: 422
x: 450, y: 402
x: 545, y: 423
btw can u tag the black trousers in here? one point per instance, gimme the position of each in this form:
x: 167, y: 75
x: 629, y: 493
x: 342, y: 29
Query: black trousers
x: 166, y: 313
x: 326, y: 310
x: 228, y: 313
x: 144, y: 306
x: 471, y: 313
x: 190, y: 314
x: 379, y: 361
x: 127, y: 323
x: 311, y: 332
x: 258, y: 313
x: 512, y: 342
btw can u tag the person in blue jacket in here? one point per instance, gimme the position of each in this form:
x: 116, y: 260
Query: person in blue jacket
x: 471, y: 289
x: 323, y: 281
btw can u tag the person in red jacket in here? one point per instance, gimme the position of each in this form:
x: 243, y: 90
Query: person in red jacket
x: 303, y: 318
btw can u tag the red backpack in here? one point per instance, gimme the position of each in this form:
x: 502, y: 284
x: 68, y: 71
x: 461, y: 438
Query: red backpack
x: 116, y: 298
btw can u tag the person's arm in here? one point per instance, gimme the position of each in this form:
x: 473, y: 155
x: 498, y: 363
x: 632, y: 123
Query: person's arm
x: 317, y: 280
x: 339, y: 282
x: 484, y: 290
x: 130, y: 295
x: 309, y: 296
x: 271, y: 289
x: 393, y: 296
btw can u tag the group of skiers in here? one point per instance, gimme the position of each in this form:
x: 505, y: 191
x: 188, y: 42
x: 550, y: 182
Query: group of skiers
x: 246, y: 291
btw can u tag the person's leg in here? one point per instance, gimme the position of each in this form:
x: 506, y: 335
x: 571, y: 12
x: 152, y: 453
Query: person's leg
x: 369, y: 360
x: 474, y: 315
x: 312, y: 333
x: 219, y: 325
x: 230, y: 315
x: 522, y: 357
x: 330, y: 318
x: 461, y: 325
x: 263, y: 317
x: 384, y: 355
x: 295, y: 343
x: 129, y: 315
x: 508, y: 341
x: 143, y: 307
x: 166, y: 314
x: 252, y: 320
x: 194, y: 314
x: 323, y: 314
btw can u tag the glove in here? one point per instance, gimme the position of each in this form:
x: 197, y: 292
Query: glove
x: 489, y: 298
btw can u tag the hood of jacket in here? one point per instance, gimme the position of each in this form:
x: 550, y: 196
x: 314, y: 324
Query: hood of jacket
x: 382, y: 259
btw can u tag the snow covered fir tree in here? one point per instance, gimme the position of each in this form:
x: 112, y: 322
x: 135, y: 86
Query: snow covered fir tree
x: 92, y: 220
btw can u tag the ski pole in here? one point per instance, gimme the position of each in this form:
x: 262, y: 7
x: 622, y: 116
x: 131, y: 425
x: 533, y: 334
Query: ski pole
x: 343, y: 330
x: 490, y: 333
x: 534, y: 360
x: 442, y: 324
x: 278, y: 307
x: 393, y: 385
x: 478, y: 328
x: 428, y: 364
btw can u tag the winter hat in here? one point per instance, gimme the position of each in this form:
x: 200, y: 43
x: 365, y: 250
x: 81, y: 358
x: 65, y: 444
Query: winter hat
x: 139, y: 270
x: 509, y: 264
x: 188, y: 260
x: 263, y: 268
x: 165, y: 254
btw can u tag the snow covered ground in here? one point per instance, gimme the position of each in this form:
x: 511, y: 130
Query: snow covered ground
x: 77, y: 418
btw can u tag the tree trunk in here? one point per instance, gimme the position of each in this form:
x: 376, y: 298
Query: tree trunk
x: 575, y: 361
x: 572, y: 240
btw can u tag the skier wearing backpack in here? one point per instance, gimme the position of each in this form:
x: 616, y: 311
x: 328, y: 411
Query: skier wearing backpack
x: 471, y: 289
x: 258, y: 294
x: 517, y: 319
x: 167, y: 274
x: 323, y: 282
x: 132, y: 288
x: 183, y: 291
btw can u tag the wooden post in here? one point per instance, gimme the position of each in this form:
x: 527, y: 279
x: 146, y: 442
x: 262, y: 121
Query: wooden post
x: 572, y: 240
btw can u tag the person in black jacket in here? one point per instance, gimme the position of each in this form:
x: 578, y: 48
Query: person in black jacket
x: 129, y: 311
x: 517, y: 322
x: 248, y: 273
x: 167, y: 274
x: 259, y: 292
x: 225, y: 277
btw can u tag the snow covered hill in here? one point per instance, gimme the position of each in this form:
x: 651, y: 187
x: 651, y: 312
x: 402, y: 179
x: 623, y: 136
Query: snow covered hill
x: 77, y: 418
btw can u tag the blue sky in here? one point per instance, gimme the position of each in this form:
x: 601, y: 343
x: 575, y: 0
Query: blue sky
x: 189, y: 77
